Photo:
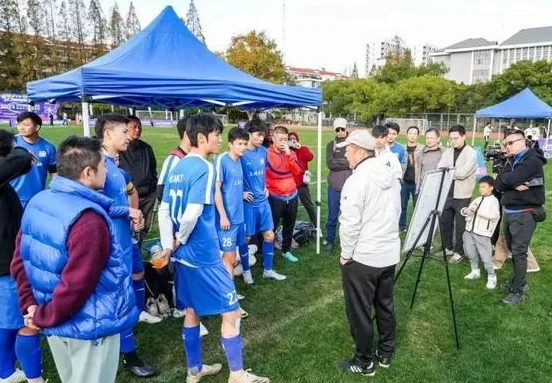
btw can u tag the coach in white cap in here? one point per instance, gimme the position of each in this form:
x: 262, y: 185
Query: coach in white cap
x: 370, y: 249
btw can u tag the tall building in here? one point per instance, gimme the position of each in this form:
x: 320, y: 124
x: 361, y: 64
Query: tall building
x: 477, y: 60
x: 312, y: 78
x: 421, y: 54
x: 193, y: 24
x: 377, y: 52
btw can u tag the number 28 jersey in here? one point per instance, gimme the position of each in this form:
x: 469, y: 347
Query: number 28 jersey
x: 192, y: 181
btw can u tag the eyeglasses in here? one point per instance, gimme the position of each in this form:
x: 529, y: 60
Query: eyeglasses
x: 509, y: 143
x: 339, y: 130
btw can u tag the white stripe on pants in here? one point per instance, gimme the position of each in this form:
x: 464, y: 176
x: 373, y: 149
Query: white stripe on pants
x: 86, y: 361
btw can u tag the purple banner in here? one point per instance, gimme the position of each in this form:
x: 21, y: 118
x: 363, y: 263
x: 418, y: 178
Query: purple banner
x: 12, y: 104
x: 546, y: 145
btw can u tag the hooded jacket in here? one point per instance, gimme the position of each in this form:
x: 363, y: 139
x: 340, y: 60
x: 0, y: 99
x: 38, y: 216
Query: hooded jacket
x: 280, y: 172
x: 304, y: 156
x: 370, y: 210
x: 527, y: 167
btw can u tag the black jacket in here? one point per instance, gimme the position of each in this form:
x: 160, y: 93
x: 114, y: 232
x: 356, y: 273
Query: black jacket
x: 17, y: 163
x: 139, y: 161
x: 337, y: 164
x: 529, y: 168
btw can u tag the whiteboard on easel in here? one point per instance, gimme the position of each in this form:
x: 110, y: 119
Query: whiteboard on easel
x: 427, y: 198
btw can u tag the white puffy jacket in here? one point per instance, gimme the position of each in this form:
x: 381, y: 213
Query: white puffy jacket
x: 485, y: 219
x: 369, y: 219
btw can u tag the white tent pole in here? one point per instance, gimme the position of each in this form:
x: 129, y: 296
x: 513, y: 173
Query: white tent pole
x: 85, y: 119
x: 318, y: 180
x: 473, y: 134
x: 548, y: 132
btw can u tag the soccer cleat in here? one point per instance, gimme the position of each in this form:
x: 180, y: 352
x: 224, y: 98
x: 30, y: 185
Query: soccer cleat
x: 271, y: 274
x: 148, y: 318
x: 353, y: 366
x: 136, y: 366
x: 245, y: 376
x: 449, y: 252
x: 513, y: 299
x: 17, y: 377
x: 248, y: 278
x: 474, y: 274
x: 163, y: 305
x: 203, y: 330
x: 491, y: 282
x: 206, y: 370
x: 384, y: 361
x: 456, y: 259
x: 290, y: 257
x: 508, y: 286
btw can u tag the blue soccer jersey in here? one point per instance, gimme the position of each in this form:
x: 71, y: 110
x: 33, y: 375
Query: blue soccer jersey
x: 254, y: 168
x: 230, y: 174
x: 192, y: 181
x: 28, y: 185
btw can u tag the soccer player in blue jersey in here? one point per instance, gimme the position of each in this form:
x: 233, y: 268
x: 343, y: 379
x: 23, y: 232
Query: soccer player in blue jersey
x: 256, y: 209
x: 112, y: 130
x: 203, y: 285
x: 229, y: 203
x: 26, y: 186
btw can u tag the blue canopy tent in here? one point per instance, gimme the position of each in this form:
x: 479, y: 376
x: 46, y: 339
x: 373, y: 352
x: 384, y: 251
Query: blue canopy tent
x: 525, y: 104
x: 166, y: 66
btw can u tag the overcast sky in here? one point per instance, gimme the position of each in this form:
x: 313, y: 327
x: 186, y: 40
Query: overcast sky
x: 333, y: 33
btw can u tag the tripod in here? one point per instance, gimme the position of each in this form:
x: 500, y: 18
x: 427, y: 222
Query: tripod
x: 431, y: 221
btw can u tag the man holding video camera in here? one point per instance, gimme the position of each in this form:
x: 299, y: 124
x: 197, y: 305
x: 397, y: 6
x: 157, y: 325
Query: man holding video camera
x: 521, y: 182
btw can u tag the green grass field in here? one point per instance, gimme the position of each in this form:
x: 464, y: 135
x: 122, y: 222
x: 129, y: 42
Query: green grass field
x: 297, y: 330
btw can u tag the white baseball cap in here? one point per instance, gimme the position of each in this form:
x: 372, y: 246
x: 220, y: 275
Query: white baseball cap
x: 361, y: 138
x: 340, y: 123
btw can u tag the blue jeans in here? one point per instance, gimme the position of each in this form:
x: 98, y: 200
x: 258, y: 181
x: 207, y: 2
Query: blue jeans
x: 407, y: 189
x: 334, y: 203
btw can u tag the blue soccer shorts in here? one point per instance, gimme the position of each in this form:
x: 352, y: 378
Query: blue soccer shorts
x: 258, y: 218
x: 230, y: 239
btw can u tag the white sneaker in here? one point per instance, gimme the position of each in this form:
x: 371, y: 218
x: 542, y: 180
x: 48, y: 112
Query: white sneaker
x: 248, y: 278
x: 176, y: 313
x: 456, y: 259
x: 474, y: 274
x: 246, y: 377
x: 240, y: 297
x: 244, y: 314
x: 206, y: 370
x: 17, y: 377
x: 449, y: 252
x: 271, y: 274
x: 491, y: 282
x: 148, y: 318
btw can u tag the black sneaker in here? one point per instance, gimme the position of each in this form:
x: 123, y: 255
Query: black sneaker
x: 136, y: 366
x: 384, y: 361
x: 508, y: 287
x: 353, y: 366
x: 513, y: 299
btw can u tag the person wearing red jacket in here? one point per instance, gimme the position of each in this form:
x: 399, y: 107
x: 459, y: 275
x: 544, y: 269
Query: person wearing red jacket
x: 304, y: 156
x: 282, y: 168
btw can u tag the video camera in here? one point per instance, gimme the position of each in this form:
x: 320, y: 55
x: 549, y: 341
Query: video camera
x: 494, y: 153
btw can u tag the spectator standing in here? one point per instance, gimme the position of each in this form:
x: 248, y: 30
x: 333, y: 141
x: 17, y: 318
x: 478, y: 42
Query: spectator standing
x: 521, y: 182
x: 302, y: 180
x: 487, y: 131
x: 393, y: 131
x: 29, y: 184
x: 463, y: 158
x: 383, y: 152
x: 282, y: 168
x: 482, y: 217
x: 428, y: 159
x: 65, y: 119
x: 79, y: 291
x: 370, y: 249
x: 408, y: 187
x: 16, y: 340
x: 339, y: 171
x: 140, y: 163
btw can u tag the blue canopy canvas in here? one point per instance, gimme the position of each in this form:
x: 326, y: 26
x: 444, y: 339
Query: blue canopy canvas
x: 525, y: 104
x: 166, y: 66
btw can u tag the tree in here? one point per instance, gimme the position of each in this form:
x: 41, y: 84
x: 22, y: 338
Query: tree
x: 257, y: 55
x: 95, y: 15
x: 9, y: 16
x: 116, y: 27
x: 63, y: 27
x: 79, y: 26
x: 35, y: 15
x: 50, y: 9
x: 354, y: 72
x: 193, y: 24
x: 132, y: 23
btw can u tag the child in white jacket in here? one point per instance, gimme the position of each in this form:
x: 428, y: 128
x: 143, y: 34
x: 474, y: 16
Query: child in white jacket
x: 482, y: 216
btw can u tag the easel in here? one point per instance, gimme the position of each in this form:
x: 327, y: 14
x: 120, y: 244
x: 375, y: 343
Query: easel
x: 431, y: 221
